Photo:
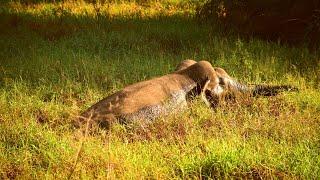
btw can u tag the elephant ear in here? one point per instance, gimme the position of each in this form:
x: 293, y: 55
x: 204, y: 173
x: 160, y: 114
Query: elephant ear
x: 203, y: 93
x: 213, y: 95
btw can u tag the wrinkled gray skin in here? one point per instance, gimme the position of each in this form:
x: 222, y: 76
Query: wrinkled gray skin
x: 170, y: 93
x: 229, y: 87
x: 152, y: 98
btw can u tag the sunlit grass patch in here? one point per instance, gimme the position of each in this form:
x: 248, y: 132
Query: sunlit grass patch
x: 123, y: 9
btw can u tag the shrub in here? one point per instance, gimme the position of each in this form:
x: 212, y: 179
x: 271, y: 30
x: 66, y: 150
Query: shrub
x: 291, y: 21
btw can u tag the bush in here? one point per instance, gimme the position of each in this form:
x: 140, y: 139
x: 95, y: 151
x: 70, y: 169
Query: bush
x: 291, y: 21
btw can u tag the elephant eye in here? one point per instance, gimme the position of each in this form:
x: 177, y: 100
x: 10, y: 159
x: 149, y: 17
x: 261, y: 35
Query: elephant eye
x: 221, y: 81
x: 208, y: 93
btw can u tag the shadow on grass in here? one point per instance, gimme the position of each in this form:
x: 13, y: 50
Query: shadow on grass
x: 137, y: 42
x: 150, y: 44
x: 54, y: 27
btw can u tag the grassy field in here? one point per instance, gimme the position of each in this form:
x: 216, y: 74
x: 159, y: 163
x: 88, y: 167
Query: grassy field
x: 57, y: 59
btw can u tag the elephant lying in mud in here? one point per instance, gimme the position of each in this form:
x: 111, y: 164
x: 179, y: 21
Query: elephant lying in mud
x: 170, y: 93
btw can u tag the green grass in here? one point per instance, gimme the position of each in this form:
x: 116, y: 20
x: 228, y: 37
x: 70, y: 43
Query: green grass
x: 58, y: 59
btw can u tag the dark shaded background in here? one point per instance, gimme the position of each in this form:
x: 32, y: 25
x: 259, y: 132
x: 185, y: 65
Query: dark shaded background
x: 290, y: 21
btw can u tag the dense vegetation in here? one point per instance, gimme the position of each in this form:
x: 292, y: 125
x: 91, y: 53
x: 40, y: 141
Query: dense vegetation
x: 289, y: 21
x: 57, y: 59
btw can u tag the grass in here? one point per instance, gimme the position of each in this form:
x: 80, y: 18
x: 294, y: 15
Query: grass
x: 57, y: 59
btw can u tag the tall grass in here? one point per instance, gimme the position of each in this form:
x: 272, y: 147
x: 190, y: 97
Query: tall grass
x: 57, y: 59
